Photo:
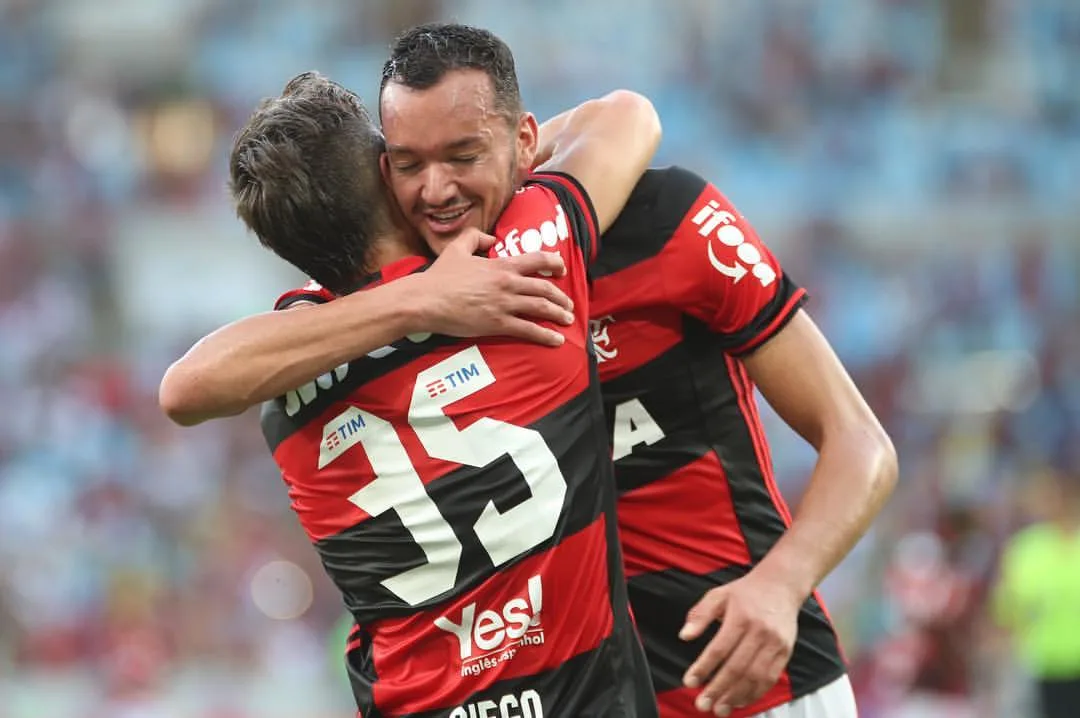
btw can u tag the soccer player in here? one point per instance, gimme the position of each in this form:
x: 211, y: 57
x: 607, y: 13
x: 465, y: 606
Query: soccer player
x: 683, y: 290
x: 458, y: 493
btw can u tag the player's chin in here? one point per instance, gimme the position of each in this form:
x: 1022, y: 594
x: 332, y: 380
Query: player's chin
x: 438, y: 243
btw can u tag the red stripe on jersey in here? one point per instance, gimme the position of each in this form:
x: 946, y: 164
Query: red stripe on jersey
x: 783, y: 316
x: 684, y: 521
x: 539, y: 614
x: 744, y: 392
x: 323, y: 506
x: 582, y: 199
x: 654, y: 331
x: 310, y: 292
x: 679, y: 703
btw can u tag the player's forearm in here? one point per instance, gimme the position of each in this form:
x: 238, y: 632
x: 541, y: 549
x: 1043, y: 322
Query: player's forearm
x: 263, y: 356
x: 854, y: 476
x: 606, y: 144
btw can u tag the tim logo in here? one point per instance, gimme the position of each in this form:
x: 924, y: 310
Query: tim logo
x: 341, y: 434
x: 546, y: 236
x: 451, y: 379
x: 456, y: 378
x: 601, y: 340
x: 713, y: 222
x: 496, y: 634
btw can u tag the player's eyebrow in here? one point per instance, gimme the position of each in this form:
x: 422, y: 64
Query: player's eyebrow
x: 458, y: 144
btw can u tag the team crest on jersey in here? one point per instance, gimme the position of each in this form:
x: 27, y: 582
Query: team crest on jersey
x: 605, y: 351
x: 717, y: 224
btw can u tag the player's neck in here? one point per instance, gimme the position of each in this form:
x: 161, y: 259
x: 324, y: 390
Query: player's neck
x: 391, y: 247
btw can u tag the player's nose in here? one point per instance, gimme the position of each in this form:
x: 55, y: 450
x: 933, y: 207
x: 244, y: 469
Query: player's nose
x: 439, y: 187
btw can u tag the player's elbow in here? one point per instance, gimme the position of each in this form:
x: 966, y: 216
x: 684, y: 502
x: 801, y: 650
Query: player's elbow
x: 874, y: 449
x: 181, y: 396
x: 638, y: 113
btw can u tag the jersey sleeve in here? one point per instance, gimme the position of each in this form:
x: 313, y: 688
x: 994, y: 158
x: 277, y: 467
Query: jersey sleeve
x: 312, y: 292
x: 718, y: 270
x: 579, y: 208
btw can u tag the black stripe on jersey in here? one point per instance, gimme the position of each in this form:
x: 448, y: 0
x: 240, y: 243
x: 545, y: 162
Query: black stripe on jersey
x: 661, y: 601
x: 584, y: 686
x: 765, y: 326
x: 583, y: 226
x: 660, y: 200
x: 759, y: 518
x: 360, y: 667
x: 671, y: 394
x: 730, y: 434
x: 358, y: 558
x: 278, y: 426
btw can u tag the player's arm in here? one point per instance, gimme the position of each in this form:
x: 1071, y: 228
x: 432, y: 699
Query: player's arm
x: 801, y: 377
x: 605, y: 144
x: 263, y: 356
x: 717, y: 269
x: 803, y: 380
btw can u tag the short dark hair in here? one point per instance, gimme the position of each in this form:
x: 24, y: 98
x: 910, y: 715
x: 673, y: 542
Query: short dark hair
x: 304, y: 174
x: 421, y: 57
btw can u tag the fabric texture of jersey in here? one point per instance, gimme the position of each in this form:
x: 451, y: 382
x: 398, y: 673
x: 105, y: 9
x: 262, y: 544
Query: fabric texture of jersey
x: 682, y: 287
x: 460, y: 497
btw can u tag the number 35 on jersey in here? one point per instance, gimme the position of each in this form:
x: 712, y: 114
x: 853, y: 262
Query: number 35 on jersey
x: 397, y: 487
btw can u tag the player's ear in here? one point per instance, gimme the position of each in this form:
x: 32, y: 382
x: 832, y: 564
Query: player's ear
x: 528, y: 133
x: 384, y: 167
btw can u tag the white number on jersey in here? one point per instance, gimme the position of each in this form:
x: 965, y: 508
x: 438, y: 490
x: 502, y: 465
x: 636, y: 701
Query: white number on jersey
x: 633, y: 426
x: 397, y: 486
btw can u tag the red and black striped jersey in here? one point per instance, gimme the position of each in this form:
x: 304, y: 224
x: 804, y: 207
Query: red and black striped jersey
x: 682, y: 287
x: 460, y: 496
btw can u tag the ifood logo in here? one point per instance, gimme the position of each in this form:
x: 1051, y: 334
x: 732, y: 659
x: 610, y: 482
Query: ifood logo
x: 546, y: 236
x: 493, y: 636
x: 713, y: 222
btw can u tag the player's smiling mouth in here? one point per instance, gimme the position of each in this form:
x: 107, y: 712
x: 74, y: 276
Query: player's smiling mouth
x: 446, y: 221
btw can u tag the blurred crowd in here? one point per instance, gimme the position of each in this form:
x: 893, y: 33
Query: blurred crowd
x: 915, y: 164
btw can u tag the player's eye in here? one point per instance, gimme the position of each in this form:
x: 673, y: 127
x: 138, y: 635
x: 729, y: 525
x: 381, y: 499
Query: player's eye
x: 406, y: 166
x: 465, y: 159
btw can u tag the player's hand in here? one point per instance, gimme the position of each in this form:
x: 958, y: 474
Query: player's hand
x: 470, y: 296
x: 758, y: 623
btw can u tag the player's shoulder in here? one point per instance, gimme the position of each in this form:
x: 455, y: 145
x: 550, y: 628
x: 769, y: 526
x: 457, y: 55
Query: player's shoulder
x: 662, y: 196
x: 549, y: 209
x: 663, y: 199
x: 534, y: 220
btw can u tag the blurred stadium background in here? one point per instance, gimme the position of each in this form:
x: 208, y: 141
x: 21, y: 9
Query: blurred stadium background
x: 915, y: 163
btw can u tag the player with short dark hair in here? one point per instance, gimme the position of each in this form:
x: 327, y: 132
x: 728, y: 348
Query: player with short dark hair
x: 701, y: 309
x: 422, y: 55
x: 458, y: 493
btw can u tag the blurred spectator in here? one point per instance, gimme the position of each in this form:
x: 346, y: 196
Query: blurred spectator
x: 1038, y: 597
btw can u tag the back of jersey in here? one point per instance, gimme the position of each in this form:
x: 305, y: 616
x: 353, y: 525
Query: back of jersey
x: 461, y: 497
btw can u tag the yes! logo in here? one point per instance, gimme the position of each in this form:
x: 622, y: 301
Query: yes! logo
x: 715, y: 223
x: 492, y: 636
